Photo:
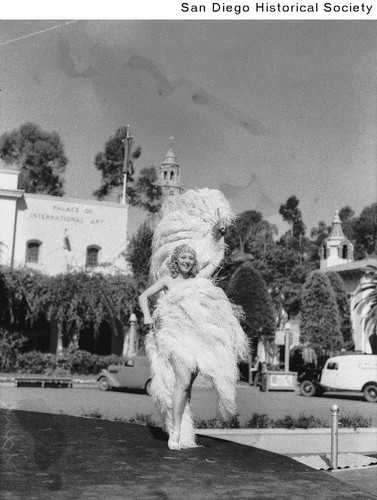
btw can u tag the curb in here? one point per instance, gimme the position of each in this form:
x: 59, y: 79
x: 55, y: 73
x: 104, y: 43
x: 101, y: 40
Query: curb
x: 289, y: 442
x: 79, y: 381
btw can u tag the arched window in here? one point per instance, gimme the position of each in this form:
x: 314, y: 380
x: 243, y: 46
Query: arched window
x: 171, y: 176
x: 324, y: 251
x: 344, y: 252
x: 92, y: 256
x: 32, y: 250
x: 165, y: 176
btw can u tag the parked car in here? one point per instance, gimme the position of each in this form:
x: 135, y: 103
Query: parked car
x: 344, y: 373
x: 134, y: 373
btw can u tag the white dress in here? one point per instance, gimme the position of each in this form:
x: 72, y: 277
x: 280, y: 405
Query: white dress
x: 194, y: 320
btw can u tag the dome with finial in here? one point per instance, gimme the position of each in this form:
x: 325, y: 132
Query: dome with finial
x: 169, y: 175
x: 336, y: 249
x: 336, y: 231
x: 170, y: 158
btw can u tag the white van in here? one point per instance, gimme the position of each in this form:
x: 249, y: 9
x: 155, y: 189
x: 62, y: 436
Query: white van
x: 356, y: 372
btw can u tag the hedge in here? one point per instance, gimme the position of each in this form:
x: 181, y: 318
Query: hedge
x: 76, y: 363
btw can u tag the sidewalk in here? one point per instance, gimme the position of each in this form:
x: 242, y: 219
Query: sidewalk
x: 48, y: 456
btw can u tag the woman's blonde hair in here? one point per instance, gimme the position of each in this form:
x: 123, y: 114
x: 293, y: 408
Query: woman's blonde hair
x: 173, y: 263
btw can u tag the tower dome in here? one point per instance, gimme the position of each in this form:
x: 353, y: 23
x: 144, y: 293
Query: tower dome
x: 169, y: 175
x: 336, y: 248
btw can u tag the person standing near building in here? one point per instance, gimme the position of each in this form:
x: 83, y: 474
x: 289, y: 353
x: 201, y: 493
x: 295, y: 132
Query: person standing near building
x: 194, y: 328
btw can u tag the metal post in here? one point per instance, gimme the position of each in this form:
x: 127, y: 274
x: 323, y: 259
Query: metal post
x: 132, y: 350
x: 287, y: 346
x: 334, y: 436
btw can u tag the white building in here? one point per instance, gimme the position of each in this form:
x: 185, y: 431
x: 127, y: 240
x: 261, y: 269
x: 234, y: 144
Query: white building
x: 337, y: 256
x: 56, y: 235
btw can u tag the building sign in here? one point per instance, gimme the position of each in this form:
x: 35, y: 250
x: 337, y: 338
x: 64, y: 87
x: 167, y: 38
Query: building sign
x: 280, y: 337
x: 281, y: 381
x: 68, y: 214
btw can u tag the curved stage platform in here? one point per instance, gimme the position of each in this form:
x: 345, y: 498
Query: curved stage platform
x: 48, y: 456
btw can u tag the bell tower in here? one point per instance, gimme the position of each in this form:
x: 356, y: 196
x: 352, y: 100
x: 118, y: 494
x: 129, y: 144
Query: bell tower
x: 169, y: 176
x: 336, y: 249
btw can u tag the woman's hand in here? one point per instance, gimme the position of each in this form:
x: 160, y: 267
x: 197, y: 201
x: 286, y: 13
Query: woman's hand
x: 148, y: 320
x: 219, y: 229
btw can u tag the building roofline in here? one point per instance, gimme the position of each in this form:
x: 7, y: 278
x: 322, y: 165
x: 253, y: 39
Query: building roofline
x: 11, y: 193
x: 356, y: 265
x: 82, y: 201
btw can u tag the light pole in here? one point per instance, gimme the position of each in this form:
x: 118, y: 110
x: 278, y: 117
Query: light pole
x: 287, y: 329
x: 127, y: 162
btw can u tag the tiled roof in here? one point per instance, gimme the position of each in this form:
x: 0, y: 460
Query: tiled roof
x: 352, y: 266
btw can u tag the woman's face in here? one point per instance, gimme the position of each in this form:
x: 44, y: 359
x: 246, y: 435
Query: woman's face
x: 186, y: 261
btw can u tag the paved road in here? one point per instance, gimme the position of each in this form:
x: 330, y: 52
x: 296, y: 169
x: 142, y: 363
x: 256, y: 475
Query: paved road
x: 124, y: 405
x: 57, y: 457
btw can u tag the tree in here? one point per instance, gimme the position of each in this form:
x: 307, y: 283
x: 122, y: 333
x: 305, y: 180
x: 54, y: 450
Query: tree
x: 79, y: 300
x: 248, y: 239
x: 318, y: 235
x: 365, y: 231
x: 367, y: 305
x: 237, y: 238
x: 248, y: 289
x: 284, y: 274
x: 145, y: 192
x: 40, y: 157
x: 139, y: 253
x: 251, y: 234
x: 320, y: 325
x: 343, y: 308
x: 111, y: 163
x: 292, y: 214
x: 74, y: 301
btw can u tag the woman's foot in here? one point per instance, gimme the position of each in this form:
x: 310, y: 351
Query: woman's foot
x: 173, y: 443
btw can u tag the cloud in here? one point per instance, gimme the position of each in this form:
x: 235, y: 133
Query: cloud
x: 199, y: 96
x: 231, y: 191
x: 68, y: 64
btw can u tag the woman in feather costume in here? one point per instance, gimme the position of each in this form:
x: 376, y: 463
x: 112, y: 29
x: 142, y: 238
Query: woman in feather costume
x: 195, y: 329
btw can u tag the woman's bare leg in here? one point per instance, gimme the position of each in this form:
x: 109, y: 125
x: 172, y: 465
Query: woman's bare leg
x: 181, y: 394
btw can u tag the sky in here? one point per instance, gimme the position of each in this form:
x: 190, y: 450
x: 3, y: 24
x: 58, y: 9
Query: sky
x: 259, y: 109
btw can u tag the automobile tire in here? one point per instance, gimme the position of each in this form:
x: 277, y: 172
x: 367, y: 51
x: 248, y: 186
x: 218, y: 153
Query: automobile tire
x: 103, y: 384
x: 307, y: 388
x: 370, y: 393
x: 148, y: 387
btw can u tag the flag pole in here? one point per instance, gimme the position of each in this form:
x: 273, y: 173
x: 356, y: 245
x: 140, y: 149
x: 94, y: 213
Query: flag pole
x: 126, y: 162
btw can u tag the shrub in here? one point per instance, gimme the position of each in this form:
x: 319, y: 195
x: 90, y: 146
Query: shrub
x: 354, y: 420
x: 82, y: 362
x: 92, y: 414
x: 105, y: 361
x: 218, y: 423
x: 259, y: 421
x: 77, y: 362
x: 10, y: 343
x: 302, y: 422
x: 36, y: 362
x: 262, y: 421
x: 142, y: 419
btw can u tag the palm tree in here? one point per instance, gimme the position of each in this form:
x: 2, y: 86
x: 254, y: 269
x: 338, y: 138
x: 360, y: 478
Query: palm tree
x: 366, y: 304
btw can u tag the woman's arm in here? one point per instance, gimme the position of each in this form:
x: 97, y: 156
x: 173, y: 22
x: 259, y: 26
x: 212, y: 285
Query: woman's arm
x: 143, y: 299
x: 211, y: 268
